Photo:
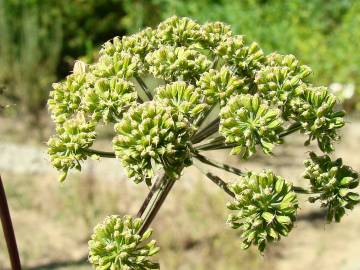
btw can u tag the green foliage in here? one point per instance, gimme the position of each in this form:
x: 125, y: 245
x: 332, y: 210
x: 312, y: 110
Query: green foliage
x: 266, y: 208
x: 117, y: 245
x: 39, y: 38
x: 333, y: 182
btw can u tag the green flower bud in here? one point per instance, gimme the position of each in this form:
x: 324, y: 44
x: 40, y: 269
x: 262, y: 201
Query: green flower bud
x: 245, y: 59
x: 212, y: 33
x: 277, y: 84
x: 177, y: 63
x: 177, y: 31
x: 219, y: 85
x: 117, y: 245
x: 109, y: 99
x: 334, y: 182
x: 65, y: 98
x: 313, y: 108
x: 69, y: 146
x: 183, y: 97
x: 120, y: 64
x: 289, y: 61
x: 151, y: 136
x: 266, y: 208
x: 247, y: 122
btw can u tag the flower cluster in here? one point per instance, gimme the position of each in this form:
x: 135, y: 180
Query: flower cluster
x: 246, y: 121
x: 219, y: 85
x: 265, y: 208
x: 183, y: 97
x: 177, y: 63
x: 117, y: 245
x: 71, y: 144
x: 201, y: 82
x: 246, y: 59
x: 333, y: 182
x: 313, y: 108
x: 109, y: 98
x: 65, y: 99
x: 150, y: 136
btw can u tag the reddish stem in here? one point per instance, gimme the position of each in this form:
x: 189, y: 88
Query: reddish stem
x: 8, y: 230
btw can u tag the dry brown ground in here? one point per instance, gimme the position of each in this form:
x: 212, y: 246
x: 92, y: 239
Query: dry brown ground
x: 53, y: 221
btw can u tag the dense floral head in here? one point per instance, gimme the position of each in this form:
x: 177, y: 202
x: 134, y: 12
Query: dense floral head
x: 117, y: 245
x: 247, y: 122
x: 265, y: 207
x: 183, y: 97
x: 70, y: 146
x: 150, y: 136
x: 313, y: 107
x: 332, y: 182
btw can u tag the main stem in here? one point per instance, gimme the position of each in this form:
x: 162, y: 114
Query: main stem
x: 8, y: 230
x: 155, y: 207
x: 150, y: 195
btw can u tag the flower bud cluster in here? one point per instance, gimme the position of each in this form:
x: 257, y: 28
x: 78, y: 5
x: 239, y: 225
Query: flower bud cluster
x: 219, y: 85
x: 265, y: 206
x: 213, y: 33
x: 246, y: 59
x: 333, y: 182
x: 109, y: 98
x: 66, y: 96
x: 69, y: 147
x: 183, y: 97
x: 151, y: 136
x: 313, y: 107
x: 199, y: 69
x: 177, y: 31
x: 248, y: 121
x: 117, y: 245
x: 177, y: 63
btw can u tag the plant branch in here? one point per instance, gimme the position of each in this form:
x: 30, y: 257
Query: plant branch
x: 157, y: 203
x: 101, y: 153
x: 200, y: 120
x: 217, y: 180
x: 302, y: 190
x: 293, y: 128
x: 150, y: 195
x: 217, y: 164
x: 8, y: 230
x: 210, y: 129
x: 144, y: 87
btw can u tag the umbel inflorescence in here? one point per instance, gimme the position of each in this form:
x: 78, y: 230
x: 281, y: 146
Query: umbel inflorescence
x: 215, y: 90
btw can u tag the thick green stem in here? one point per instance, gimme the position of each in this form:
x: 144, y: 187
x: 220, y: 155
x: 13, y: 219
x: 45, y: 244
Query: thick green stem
x: 144, y: 87
x: 217, y: 164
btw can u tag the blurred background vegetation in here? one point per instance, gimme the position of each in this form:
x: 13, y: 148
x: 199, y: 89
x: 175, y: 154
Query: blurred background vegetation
x: 40, y: 39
